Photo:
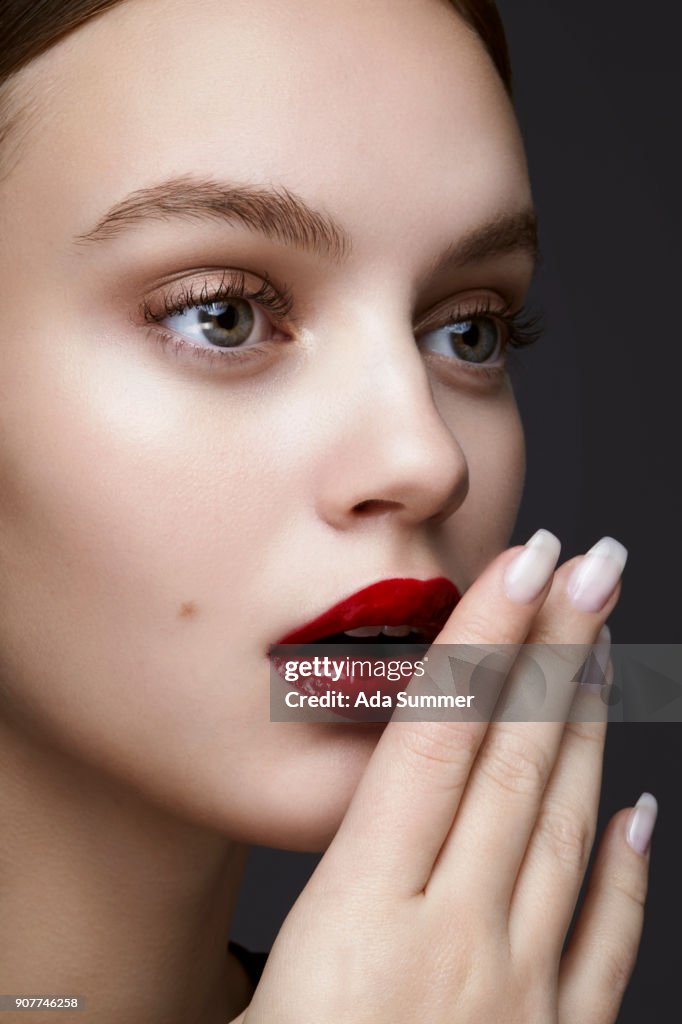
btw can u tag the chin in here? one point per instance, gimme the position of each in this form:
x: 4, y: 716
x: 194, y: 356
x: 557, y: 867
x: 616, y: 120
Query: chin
x: 301, y: 806
x: 290, y: 825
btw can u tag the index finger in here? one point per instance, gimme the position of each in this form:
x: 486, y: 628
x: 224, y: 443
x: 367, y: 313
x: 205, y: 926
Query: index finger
x: 408, y: 796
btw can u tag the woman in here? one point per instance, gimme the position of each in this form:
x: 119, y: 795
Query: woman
x: 263, y: 265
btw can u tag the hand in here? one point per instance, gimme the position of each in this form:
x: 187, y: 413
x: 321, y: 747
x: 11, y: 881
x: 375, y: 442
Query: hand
x: 448, y: 890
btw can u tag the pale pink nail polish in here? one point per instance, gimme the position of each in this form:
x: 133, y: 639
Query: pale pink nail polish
x: 595, y: 577
x: 641, y: 823
x: 528, y: 574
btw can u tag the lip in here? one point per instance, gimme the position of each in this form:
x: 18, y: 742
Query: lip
x: 426, y: 604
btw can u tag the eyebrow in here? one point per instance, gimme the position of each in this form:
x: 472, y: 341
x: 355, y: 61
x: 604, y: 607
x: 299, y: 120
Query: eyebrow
x: 508, y: 232
x: 279, y: 213
x: 275, y: 212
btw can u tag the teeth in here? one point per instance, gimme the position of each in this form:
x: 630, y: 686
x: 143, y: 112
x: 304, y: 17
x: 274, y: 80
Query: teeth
x: 363, y: 631
x: 386, y: 630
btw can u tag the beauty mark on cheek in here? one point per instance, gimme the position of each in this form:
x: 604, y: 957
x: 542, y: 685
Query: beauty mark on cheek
x: 188, y: 610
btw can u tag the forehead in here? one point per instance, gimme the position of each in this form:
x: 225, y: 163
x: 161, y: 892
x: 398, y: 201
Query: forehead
x: 391, y: 107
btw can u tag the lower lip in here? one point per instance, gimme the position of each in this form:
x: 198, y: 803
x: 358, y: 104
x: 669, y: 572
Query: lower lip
x: 339, y: 695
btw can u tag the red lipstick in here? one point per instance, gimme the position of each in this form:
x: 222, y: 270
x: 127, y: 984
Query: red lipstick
x: 425, y: 604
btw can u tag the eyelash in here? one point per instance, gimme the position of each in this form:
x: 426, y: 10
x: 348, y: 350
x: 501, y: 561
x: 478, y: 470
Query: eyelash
x: 521, y: 328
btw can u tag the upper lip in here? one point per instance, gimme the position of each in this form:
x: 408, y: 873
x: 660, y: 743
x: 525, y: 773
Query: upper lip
x: 426, y: 604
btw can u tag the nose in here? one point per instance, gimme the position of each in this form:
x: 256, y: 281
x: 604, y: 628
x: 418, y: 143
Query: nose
x: 390, y: 451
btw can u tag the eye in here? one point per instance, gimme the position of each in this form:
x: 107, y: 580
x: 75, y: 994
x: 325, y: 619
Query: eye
x: 227, y: 323
x: 478, y: 339
x: 219, y: 321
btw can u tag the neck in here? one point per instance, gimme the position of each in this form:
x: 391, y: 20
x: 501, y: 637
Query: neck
x: 110, y: 898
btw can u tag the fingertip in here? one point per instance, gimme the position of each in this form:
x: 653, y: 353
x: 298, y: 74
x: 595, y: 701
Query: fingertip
x: 530, y: 571
x: 640, y: 824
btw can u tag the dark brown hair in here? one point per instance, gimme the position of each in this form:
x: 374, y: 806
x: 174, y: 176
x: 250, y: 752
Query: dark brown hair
x: 484, y: 18
x: 28, y: 27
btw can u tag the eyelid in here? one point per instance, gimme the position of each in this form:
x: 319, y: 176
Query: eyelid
x: 182, y: 295
x: 464, y: 308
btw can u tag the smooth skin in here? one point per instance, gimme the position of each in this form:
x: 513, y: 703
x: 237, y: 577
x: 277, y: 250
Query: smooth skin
x: 163, y: 521
x: 449, y: 888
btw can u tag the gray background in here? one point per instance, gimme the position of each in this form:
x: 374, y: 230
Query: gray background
x: 597, y: 91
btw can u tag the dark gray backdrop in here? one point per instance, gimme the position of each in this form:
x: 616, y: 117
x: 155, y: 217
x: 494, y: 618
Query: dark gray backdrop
x: 597, y: 90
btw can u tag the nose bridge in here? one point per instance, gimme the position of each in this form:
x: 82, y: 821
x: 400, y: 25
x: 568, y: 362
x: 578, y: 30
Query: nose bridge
x: 391, y: 450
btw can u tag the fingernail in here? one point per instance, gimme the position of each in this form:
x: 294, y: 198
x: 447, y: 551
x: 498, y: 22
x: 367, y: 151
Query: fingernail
x: 528, y: 574
x: 641, y: 823
x: 592, y: 581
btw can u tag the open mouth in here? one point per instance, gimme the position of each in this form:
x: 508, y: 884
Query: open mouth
x: 368, y: 643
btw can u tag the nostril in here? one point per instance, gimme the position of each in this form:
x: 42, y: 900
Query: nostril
x: 375, y: 506
x: 440, y: 517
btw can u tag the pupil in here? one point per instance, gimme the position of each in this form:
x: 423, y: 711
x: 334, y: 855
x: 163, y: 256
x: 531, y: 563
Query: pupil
x: 471, y: 335
x: 228, y: 319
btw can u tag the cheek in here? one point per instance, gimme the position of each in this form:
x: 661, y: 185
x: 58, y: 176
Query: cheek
x: 498, y: 451
x: 142, y: 532
x: 127, y: 533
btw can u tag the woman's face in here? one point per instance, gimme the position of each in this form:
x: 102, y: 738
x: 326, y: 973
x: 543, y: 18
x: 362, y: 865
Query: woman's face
x: 165, y: 517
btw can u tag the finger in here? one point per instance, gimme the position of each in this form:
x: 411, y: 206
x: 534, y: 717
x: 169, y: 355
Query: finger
x: 500, y: 807
x: 601, y: 955
x: 405, y: 802
x: 553, y: 868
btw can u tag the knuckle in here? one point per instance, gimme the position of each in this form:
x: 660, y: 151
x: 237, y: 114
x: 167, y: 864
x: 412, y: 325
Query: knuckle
x: 632, y: 888
x: 515, y: 763
x: 560, y: 661
x: 431, y: 747
x: 567, y: 835
x: 591, y: 733
x: 482, y: 627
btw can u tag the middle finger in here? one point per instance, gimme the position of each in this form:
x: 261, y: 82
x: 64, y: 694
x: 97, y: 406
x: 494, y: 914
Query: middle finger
x: 500, y: 805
